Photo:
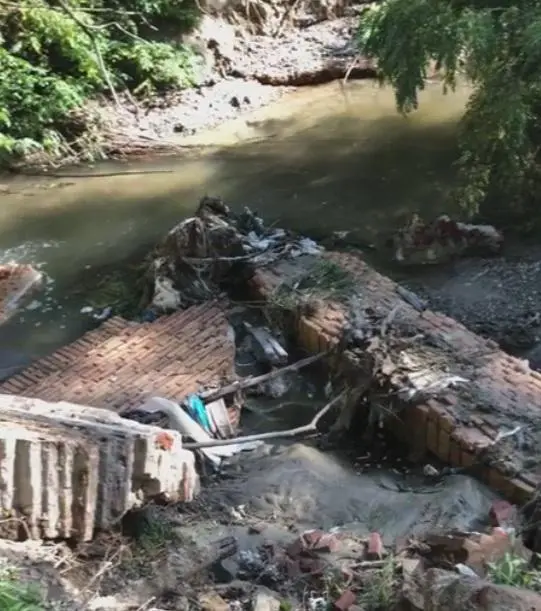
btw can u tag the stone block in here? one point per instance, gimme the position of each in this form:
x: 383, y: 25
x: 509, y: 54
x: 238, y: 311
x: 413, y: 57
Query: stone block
x: 66, y: 469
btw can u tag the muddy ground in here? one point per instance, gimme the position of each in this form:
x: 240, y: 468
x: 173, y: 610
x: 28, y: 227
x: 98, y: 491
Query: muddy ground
x: 265, y: 500
x: 497, y: 297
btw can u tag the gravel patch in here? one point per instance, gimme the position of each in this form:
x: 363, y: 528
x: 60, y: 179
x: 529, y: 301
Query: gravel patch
x: 499, y: 298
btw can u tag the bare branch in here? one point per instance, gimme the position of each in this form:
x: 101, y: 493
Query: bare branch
x: 88, y: 31
x: 213, y: 395
x: 311, y: 427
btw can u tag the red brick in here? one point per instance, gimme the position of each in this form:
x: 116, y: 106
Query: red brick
x: 522, y: 491
x: 467, y: 459
x: 293, y: 550
x: 501, y: 513
x: 374, y: 548
x: 346, y: 601
x: 312, y: 565
x: 311, y: 538
x: 487, y: 548
x: 454, y: 453
x: 499, y: 482
x: 432, y: 434
x: 327, y: 543
x: 121, y: 362
x: 444, y: 445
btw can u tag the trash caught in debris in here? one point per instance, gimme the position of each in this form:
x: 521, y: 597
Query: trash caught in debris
x: 202, y: 252
x: 441, y: 240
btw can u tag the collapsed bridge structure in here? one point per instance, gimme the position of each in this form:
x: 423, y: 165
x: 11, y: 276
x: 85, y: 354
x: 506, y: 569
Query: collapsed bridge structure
x: 453, y: 393
x: 69, y: 463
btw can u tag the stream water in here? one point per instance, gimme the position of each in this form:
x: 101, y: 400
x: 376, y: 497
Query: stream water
x: 323, y: 159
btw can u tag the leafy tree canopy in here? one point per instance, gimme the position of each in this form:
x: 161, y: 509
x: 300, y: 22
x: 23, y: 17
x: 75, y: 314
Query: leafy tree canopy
x: 496, y: 45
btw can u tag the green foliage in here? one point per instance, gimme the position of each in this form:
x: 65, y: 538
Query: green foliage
x: 32, y: 103
x: 144, y: 67
x: 51, y: 62
x: 52, y: 40
x: 183, y: 15
x: 16, y: 596
x: 514, y: 570
x: 379, y: 591
x: 497, y: 47
x: 323, y: 280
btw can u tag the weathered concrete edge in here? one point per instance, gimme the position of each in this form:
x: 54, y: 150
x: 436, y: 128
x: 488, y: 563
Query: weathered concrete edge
x: 433, y: 423
x: 67, y: 469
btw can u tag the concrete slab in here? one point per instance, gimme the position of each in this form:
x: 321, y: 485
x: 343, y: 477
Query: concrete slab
x: 67, y: 470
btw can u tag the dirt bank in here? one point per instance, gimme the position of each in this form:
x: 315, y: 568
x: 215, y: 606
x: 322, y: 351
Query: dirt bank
x: 246, y: 63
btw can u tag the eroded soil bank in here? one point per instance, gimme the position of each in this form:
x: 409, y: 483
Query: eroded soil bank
x: 247, y: 56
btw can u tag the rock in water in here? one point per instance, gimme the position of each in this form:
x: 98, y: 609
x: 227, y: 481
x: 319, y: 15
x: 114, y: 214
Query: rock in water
x: 16, y: 282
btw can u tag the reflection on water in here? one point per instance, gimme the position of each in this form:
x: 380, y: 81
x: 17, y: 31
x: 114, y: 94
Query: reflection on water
x: 318, y: 161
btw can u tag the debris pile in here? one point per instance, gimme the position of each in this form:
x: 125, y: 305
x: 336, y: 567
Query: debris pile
x: 412, y: 534
x: 201, y: 253
x: 443, y: 239
x: 343, y: 571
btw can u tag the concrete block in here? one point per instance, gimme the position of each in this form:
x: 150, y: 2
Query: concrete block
x: 67, y: 469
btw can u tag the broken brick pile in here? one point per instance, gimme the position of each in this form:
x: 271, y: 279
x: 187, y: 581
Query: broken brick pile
x: 307, y: 553
x: 17, y: 280
x: 121, y: 364
x: 459, y: 425
x: 315, y: 552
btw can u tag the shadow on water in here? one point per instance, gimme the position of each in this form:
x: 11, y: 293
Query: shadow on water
x: 320, y: 162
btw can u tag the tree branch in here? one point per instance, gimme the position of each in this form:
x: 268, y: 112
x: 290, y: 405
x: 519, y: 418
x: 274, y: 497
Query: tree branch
x: 88, y: 31
x: 212, y: 395
x: 311, y: 427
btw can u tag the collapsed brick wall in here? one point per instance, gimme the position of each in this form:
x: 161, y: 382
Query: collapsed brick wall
x: 121, y: 364
x: 462, y: 423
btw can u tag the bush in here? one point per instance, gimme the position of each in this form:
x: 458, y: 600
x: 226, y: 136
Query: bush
x: 16, y: 596
x: 52, y: 40
x: 146, y: 66
x: 33, y: 102
x: 50, y: 61
x: 183, y: 15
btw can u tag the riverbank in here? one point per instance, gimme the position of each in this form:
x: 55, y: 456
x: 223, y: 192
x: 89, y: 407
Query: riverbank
x: 239, y: 71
